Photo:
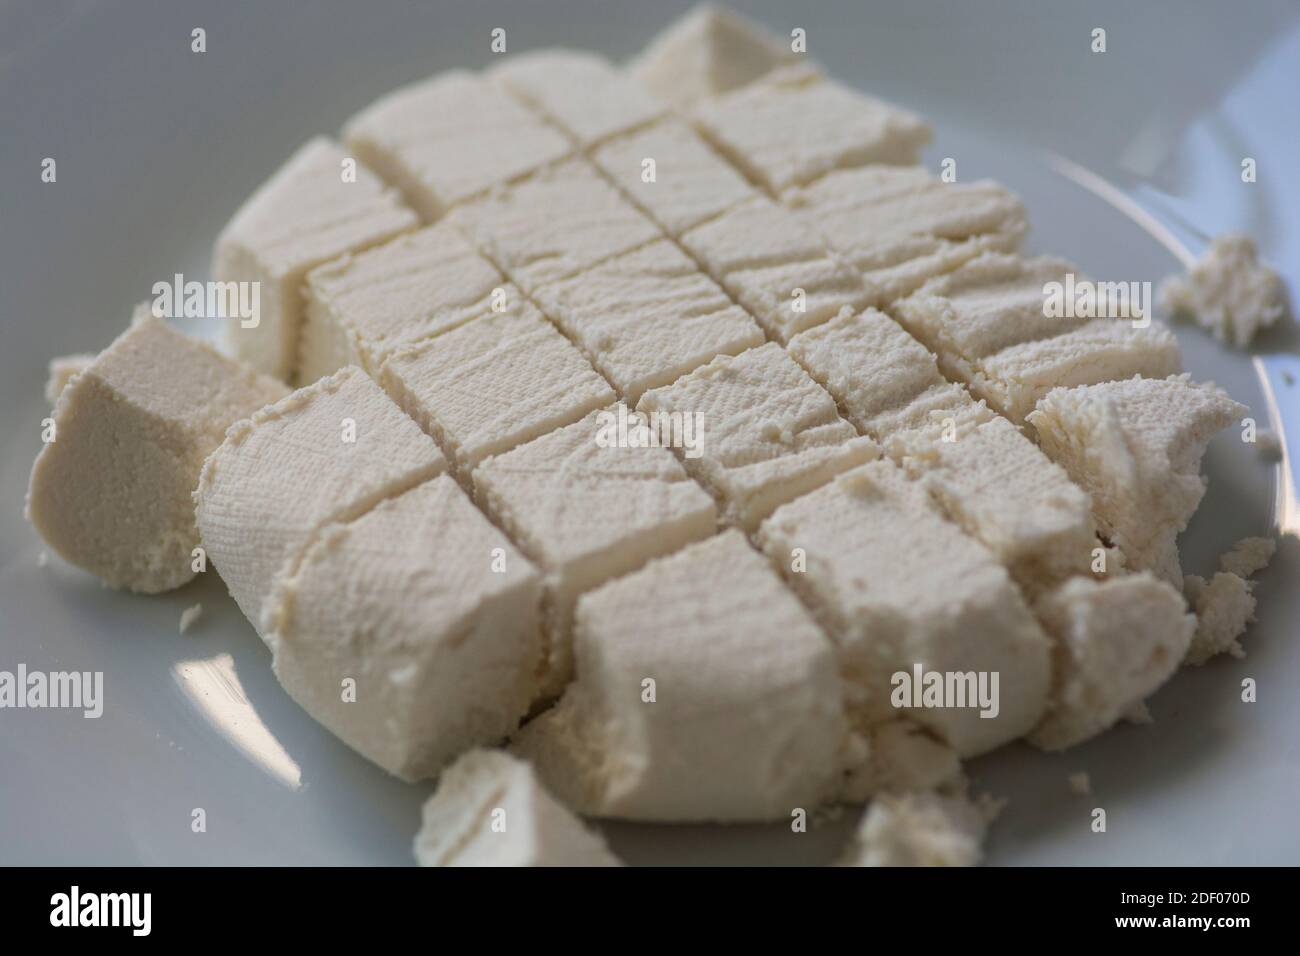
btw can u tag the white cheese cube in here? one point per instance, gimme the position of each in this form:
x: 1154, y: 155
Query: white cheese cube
x: 920, y: 829
x: 775, y: 267
x: 496, y: 382
x: 793, y: 126
x: 648, y: 317
x: 707, y: 51
x: 411, y: 632
x: 554, y: 225
x: 489, y: 810
x: 768, y: 432
x: 306, y: 214
x: 111, y: 492
x: 580, y: 92
x: 326, y: 453
x: 451, y: 137
x: 1224, y: 608
x: 1135, y: 446
x: 1116, y: 642
x: 361, y: 309
x: 62, y: 370
x: 587, y: 510
x: 1228, y: 291
x: 690, y: 185
x: 940, y: 601
x: 704, y: 692
x: 900, y: 226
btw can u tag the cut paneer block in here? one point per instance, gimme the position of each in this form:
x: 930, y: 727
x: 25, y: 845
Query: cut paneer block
x: 794, y: 126
x: 451, y: 137
x: 1224, y: 608
x: 327, y: 453
x: 775, y: 267
x: 490, y: 810
x: 1116, y: 641
x: 62, y: 370
x: 991, y: 326
x: 704, y: 691
x: 1000, y: 487
x: 1135, y: 446
x: 1227, y: 291
x: 648, y: 317
x: 708, y: 51
x: 588, y: 509
x: 494, y: 383
x: 411, y: 632
x: 110, y: 491
x: 361, y: 309
x: 315, y: 208
x: 900, y: 226
x: 920, y: 829
x: 673, y: 175
x: 554, y: 225
x: 768, y: 433
x: 580, y: 92
x: 901, y: 588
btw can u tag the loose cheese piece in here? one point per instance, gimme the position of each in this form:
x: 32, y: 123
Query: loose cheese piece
x: 793, y: 126
x: 769, y: 433
x: 1248, y: 556
x: 429, y: 612
x: 451, y: 137
x: 189, y: 616
x: 704, y: 691
x: 1000, y: 487
x: 1224, y: 608
x: 326, y: 453
x: 588, y: 509
x: 1135, y: 446
x: 580, y: 92
x: 1228, y: 291
x: 775, y: 267
x: 941, y: 602
x: 901, y: 756
x: 554, y: 225
x: 62, y: 370
x: 361, y: 309
x: 648, y: 317
x: 920, y: 829
x: 1116, y: 642
x: 900, y: 226
x: 708, y: 51
x: 489, y: 810
x: 111, y: 492
x: 991, y: 327
x: 308, y: 213
x: 673, y: 175
x: 494, y: 383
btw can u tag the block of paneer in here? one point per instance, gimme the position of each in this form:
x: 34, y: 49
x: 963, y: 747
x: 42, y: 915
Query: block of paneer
x: 1135, y: 446
x: 450, y: 137
x: 110, y: 492
x: 490, y: 810
x: 363, y: 308
x: 921, y: 829
x: 776, y: 267
x: 709, y: 50
x: 794, y: 126
x: 648, y: 317
x: 498, y: 381
x: 991, y: 326
x: 704, y: 692
x: 554, y: 225
x: 767, y: 432
x: 580, y: 92
x: 900, y: 588
x: 900, y: 226
x: 669, y: 171
x: 315, y: 208
x: 62, y: 370
x: 411, y: 632
x: 1115, y: 642
x: 587, y: 508
x: 324, y: 454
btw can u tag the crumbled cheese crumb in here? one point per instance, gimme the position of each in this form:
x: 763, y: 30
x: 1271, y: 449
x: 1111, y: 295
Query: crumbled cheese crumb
x: 922, y: 829
x: 190, y: 615
x: 1228, y: 291
x: 1224, y: 607
x: 1248, y: 557
x: 1080, y: 783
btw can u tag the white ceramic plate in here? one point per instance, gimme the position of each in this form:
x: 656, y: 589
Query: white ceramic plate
x: 1127, y: 160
